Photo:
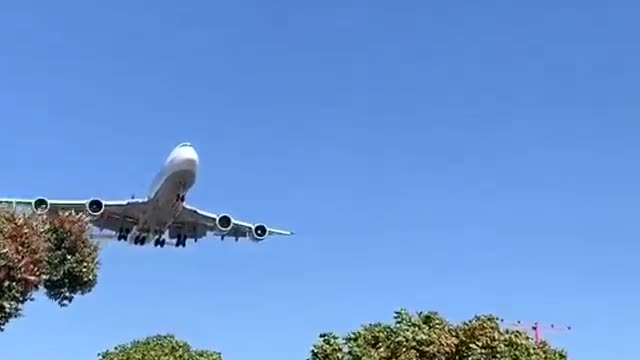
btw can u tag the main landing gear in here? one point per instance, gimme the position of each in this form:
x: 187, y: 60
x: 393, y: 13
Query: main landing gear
x: 123, y: 234
x: 140, y: 240
x: 181, y: 240
x: 158, y: 241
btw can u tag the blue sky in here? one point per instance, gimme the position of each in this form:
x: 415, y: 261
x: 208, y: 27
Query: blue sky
x: 463, y: 157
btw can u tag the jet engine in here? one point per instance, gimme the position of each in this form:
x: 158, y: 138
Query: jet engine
x: 259, y: 232
x: 95, y: 207
x: 224, y: 223
x: 40, y: 205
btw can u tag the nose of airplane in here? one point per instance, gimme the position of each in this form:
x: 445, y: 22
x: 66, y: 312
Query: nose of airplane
x: 185, y: 157
x: 190, y: 157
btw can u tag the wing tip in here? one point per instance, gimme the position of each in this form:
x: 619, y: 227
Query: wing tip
x: 283, y: 232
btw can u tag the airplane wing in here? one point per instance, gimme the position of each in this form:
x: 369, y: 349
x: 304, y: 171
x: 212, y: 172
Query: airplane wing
x: 112, y: 214
x: 197, y: 223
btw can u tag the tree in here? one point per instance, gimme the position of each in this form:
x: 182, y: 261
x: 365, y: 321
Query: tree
x: 54, y: 253
x: 421, y: 336
x: 431, y: 337
x: 158, y: 347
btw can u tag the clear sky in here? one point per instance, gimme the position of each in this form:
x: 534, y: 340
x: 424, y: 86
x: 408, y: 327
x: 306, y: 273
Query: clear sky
x: 465, y: 157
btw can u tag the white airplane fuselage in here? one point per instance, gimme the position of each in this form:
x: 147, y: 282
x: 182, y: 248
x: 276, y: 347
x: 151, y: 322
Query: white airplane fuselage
x: 168, y: 192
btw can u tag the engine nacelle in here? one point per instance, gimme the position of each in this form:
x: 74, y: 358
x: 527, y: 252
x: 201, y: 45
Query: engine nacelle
x: 40, y: 205
x: 224, y: 223
x: 259, y: 232
x: 95, y: 207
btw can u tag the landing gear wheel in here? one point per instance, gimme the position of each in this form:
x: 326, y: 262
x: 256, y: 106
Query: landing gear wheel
x: 123, y: 234
x: 181, y: 240
x: 159, y: 242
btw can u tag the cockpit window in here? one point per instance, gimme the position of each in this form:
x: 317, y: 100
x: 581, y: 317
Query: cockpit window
x: 184, y: 145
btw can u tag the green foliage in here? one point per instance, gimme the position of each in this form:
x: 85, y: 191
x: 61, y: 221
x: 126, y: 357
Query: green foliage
x: 428, y: 336
x: 51, y: 252
x: 72, y: 260
x: 328, y: 347
x: 158, y: 347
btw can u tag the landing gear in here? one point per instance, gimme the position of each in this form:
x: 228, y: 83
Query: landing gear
x: 156, y: 236
x: 159, y: 242
x: 141, y: 236
x: 180, y: 198
x: 139, y: 240
x: 181, y: 240
x: 123, y: 234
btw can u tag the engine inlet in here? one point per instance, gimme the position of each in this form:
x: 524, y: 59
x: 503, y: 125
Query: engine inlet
x: 224, y: 222
x: 95, y: 207
x: 260, y: 232
x: 40, y: 205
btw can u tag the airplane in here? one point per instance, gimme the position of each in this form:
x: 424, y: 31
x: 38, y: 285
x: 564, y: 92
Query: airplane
x: 145, y: 221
